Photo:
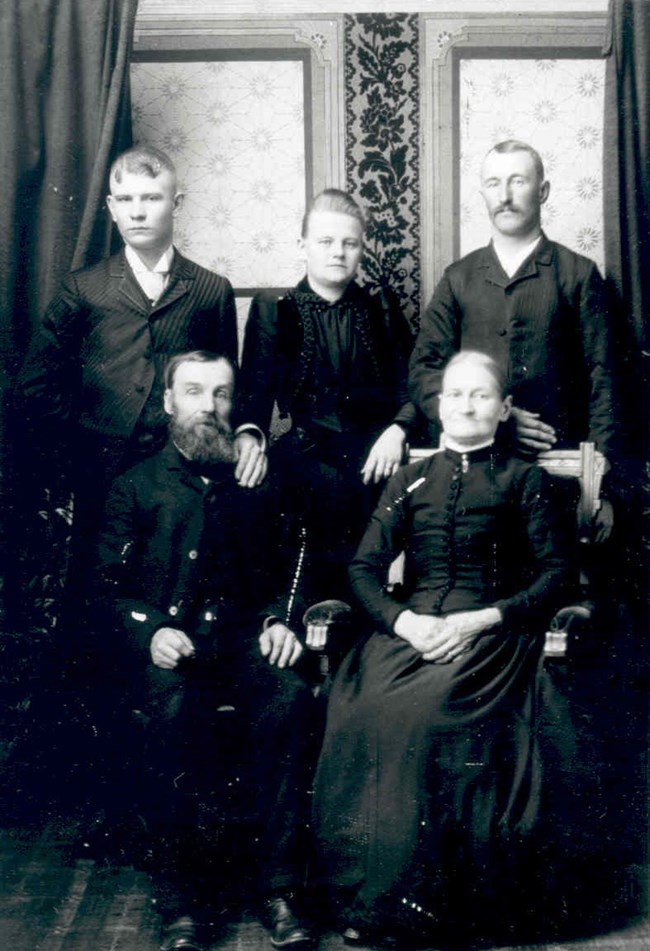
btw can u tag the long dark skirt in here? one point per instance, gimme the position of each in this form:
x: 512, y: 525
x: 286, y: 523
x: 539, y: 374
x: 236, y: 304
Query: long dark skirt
x: 428, y: 785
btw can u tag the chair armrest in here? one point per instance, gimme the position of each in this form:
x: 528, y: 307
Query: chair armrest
x: 570, y: 630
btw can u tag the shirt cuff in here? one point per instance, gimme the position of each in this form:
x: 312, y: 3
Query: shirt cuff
x: 254, y: 431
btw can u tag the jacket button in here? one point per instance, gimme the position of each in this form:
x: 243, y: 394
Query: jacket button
x: 193, y: 555
x: 139, y: 388
x: 173, y: 610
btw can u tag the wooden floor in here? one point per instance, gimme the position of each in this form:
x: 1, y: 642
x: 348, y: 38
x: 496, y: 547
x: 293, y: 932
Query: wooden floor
x: 54, y: 899
x: 66, y: 884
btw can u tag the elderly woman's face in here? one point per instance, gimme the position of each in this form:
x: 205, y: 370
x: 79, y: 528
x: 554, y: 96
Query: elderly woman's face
x: 471, y: 406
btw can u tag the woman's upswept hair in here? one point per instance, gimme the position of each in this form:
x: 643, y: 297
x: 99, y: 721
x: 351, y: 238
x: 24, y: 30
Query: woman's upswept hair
x: 485, y: 361
x: 332, y: 199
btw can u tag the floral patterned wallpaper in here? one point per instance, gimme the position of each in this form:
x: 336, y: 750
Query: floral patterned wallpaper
x: 235, y: 130
x: 557, y: 106
x: 383, y: 157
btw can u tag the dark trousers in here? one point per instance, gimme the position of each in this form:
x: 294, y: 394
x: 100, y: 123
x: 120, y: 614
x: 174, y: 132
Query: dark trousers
x: 257, y: 758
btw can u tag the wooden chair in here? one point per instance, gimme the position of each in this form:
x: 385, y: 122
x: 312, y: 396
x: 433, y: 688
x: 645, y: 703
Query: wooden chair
x: 588, y: 465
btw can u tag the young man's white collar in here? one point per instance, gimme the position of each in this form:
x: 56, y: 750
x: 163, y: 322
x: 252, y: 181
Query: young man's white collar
x: 511, y: 260
x: 152, y: 280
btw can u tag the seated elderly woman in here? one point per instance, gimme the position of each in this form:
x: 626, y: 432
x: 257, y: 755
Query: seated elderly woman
x: 429, y: 777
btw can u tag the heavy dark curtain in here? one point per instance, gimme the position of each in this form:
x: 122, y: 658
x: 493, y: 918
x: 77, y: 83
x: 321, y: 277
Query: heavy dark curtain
x: 627, y: 254
x: 65, y: 113
x: 627, y: 167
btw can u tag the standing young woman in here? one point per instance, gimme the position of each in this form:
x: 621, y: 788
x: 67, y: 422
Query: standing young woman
x: 333, y: 355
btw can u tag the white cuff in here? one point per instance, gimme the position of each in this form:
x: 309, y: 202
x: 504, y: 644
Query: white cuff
x: 253, y: 430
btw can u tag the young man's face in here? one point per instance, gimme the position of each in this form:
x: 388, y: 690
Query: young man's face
x: 471, y: 406
x: 333, y: 247
x: 144, y: 208
x: 513, y: 193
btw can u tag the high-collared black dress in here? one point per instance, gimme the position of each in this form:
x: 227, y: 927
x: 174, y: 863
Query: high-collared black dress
x: 337, y: 371
x: 430, y: 772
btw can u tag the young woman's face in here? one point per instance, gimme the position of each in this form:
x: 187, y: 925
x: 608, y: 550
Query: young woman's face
x: 471, y: 406
x: 332, y: 247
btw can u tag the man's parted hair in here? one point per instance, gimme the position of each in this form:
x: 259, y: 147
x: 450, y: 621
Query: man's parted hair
x: 194, y: 356
x: 485, y: 361
x: 333, y: 199
x: 142, y: 160
x: 515, y: 145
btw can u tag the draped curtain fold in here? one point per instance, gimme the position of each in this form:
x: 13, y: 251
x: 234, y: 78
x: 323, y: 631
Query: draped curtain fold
x: 627, y: 164
x: 65, y: 112
x: 65, y: 108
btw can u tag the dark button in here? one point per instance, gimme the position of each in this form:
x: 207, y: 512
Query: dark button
x: 502, y: 332
x: 139, y: 388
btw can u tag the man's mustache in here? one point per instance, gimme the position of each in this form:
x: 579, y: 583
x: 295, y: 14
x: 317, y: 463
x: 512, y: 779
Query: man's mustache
x: 507, y: 207
x: 208, y: 419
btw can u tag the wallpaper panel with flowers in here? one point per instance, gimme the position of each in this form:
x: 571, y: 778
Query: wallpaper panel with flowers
x: 557, y: 106
x: 236, y: 131
x: 382, y: 79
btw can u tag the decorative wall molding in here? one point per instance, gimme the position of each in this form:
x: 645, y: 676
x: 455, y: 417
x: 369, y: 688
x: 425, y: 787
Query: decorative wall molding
x: 170, y: 29
x: 265, y: 8
x: 444, y: 40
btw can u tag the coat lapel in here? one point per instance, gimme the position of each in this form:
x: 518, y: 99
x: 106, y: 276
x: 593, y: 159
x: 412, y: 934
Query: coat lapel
x: 181, y: 278
x: 494, y: 273
x: 127, y: 286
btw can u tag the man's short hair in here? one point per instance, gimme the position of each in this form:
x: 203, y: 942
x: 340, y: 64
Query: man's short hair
x: 515, y: 145
x: 194, y: 356
x: 142, y: 160
x: 484, y: 360
x: 333, y: 199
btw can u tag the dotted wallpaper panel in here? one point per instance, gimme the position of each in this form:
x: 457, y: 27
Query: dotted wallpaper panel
x: 557, y: 106
x: 236, y: 132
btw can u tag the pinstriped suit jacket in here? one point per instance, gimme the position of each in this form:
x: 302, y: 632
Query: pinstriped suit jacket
x: 99, y: 355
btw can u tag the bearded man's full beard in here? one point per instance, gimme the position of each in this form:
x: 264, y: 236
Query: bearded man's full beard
x: 206, y: 443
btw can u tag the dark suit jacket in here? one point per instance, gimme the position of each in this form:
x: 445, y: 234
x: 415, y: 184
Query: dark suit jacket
x: 173, y: 547
x: 99, y: 355
x: 547, y: 326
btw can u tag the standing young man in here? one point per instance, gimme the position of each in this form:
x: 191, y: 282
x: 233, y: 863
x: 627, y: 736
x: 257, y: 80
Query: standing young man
x: 92, y: 383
